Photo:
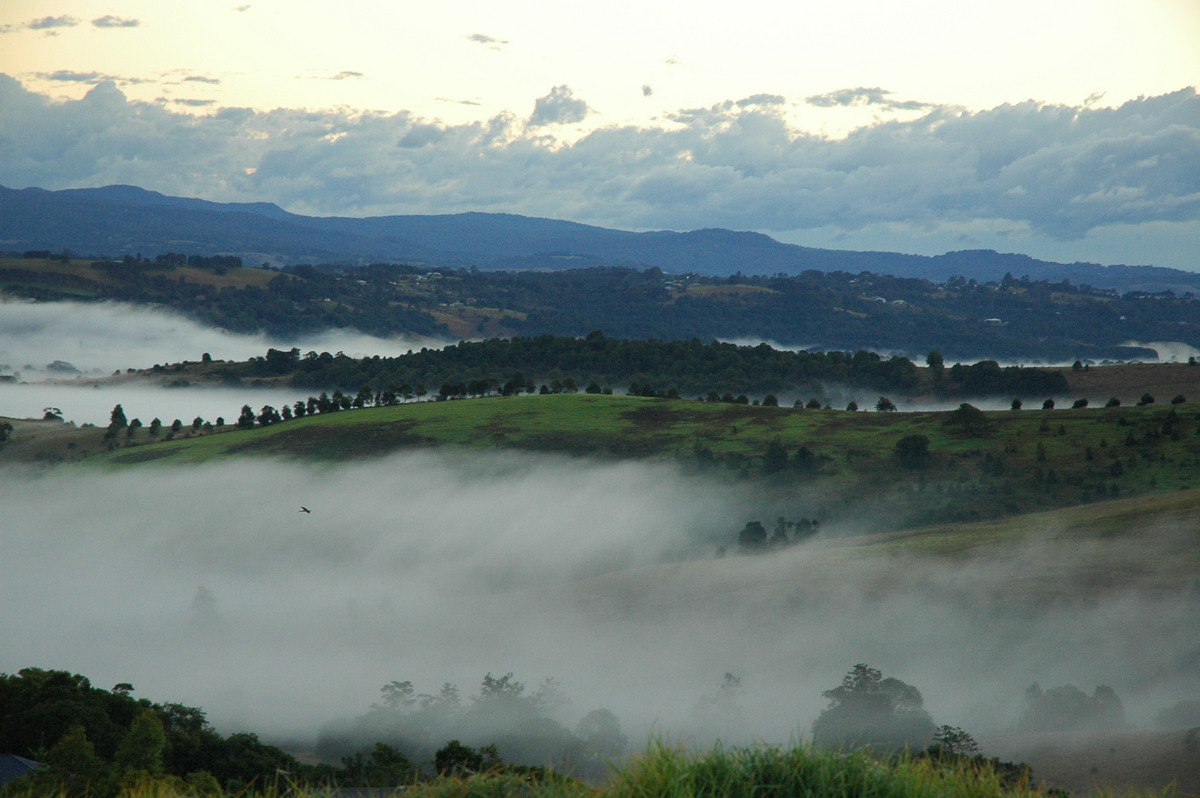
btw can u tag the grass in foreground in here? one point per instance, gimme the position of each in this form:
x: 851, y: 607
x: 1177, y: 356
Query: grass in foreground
x: 667, y: 771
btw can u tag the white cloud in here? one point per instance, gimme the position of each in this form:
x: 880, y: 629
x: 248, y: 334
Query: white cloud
x: 559, y: 107
x: 109, y: 21
x: 49, y: 23
x: 1058, y: 173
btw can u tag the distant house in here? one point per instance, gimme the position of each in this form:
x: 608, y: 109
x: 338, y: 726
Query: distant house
x: 13, y: 766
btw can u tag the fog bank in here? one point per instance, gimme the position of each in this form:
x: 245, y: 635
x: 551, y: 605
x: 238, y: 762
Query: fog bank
x: 434, y: 568
x: 97, y: 338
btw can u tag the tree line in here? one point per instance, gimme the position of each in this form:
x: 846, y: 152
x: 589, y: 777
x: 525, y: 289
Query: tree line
x: 689, y: 367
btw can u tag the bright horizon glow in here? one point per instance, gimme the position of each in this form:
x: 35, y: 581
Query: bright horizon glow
x: 468, y: 61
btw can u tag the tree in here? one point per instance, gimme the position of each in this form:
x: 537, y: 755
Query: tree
x: 935, y: 363
x: 770, y: 400
x: 1146, y: 399
x: 869, y: 710
x: 753, y: 537
x: 116, y: 422
x: 954, y: 741
x: 885, y: 405
x: 1048, y: 404
x: 246, y: 419
x: 73, y: 768
x: 5, y: 430
x: 968, y: 418
x: 456, y: 759
x: 155, y: 427
x: 141, y: 749
x: 1016, y: 404
x: 601, y: 732
x: 775, y: 459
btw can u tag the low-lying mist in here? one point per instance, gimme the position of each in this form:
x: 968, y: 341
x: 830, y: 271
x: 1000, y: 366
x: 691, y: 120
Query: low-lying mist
x: 92, y: 340
x: 99, y: 337
x: 209, y: 586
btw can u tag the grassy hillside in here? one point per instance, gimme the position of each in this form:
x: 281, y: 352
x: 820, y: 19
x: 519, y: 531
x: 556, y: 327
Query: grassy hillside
x: 978, y: 466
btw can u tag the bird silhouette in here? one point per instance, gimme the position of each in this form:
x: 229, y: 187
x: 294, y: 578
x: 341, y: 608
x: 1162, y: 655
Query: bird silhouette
x: 304, y: 509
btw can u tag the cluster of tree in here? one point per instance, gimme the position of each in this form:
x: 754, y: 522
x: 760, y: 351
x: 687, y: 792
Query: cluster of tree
x: 119, y: 425
x: 988, y: 378
x: 503, y: 720
x: 1067, y: 708
x: 754, y: 539
x: 690, y: 366
x: 888, y: 716
x: 95, y: 741
x: 98, y: 743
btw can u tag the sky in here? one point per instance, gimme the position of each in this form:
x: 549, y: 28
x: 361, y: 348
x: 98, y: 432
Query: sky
x: 1067, y: 130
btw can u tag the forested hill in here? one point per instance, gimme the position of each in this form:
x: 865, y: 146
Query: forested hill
x: 965, y: 320
x: 125, y: 220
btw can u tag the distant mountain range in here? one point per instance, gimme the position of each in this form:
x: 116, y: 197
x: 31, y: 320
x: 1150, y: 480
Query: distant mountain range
x: 119, y: 220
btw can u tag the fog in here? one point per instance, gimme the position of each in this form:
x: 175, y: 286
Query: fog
x: 96, y: 339
x: 434, y: 567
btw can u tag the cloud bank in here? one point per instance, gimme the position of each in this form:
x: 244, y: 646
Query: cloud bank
x: 1049, y: 173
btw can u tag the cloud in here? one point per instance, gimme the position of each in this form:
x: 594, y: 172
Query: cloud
x: 49, y: 23
x: 1050, y: 173
x: 109, y: 21
x: 201, y: 79
x: 490, y: 42
x: 864, y: 96
x: 193, y: 103
x: 647, y: 90
x: 345, y: 75
x: 70, y: 76
x: 559, y: 107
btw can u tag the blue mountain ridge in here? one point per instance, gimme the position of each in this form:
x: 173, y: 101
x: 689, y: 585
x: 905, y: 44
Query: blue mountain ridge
x: 120, y: 219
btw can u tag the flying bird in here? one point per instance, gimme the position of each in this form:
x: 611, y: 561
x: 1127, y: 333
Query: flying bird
x: 304, y: 509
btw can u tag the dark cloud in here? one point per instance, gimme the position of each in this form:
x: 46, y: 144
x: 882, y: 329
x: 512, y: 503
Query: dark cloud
x: 192, y: 103
x: 1058, y: 172
x: 49, y: 23
x: 559, y: 107
x: 201, y: 79
x: 864, y: 96
x: 109, y: 21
